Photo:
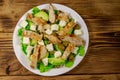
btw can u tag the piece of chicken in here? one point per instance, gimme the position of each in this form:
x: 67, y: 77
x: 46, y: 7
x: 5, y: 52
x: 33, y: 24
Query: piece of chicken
x: 76, y: 40
x: 42, y: 52
x: 34, y: 57
x: 46, y: 26
x: 53, y: 39
x: 36, y: 20
x: 67, y: 28
x: 51, y: 14
x: 39, y: 21
x: 68, y: 50
x: 43, y: 28
x: 63, y: 16
x: 32, y: 35
x: 29, y: 16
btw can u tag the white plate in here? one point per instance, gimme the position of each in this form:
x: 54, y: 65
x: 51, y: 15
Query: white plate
x: 23, y: 58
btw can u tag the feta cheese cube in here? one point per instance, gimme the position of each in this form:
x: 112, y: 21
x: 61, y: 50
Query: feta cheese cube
x: 78, y: 32
x: 33, y: 27
x: 26, y: 40
x: 29, y: 50
x: 48, y: 31
x: 62, y: 23
x: 49, y: 47
x: 23, y: 24
x: 41, y: 42
x: 45, y: 61
x: 75, y: 50
x: 54, y: 27
x: 57, y: 54
x: 40, y: 28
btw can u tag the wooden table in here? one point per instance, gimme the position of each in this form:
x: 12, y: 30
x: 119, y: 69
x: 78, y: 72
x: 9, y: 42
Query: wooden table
x: 102, y: 61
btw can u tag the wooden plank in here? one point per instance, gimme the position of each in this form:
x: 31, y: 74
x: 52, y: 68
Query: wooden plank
x: 97, y: 60
x: 103, y: 14
x: 64, y: 77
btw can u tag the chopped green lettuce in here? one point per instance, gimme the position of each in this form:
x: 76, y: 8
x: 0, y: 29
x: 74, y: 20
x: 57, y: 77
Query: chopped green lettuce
x: 44, y: 68
x: 51, y: 54
x: 24, y: 47
x: 35, y: 10
x: 57, y: 22
x: 70, y: 32
x: 71, y: 19
x: 20, y: 31
x: 56, y: 47
x: 28, y: 26
x: 81, y: 51
x: 69, y: 63
x: 45, y: 41
x: 56, y: 11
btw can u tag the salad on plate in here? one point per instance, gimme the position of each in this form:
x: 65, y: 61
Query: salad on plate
x: 50, y: 39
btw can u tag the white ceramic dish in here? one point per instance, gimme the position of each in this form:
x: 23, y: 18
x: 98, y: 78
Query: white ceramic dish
x: 23, y: 58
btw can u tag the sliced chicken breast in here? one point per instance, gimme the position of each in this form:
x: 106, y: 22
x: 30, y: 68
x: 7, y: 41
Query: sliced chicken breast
x: 76, y: 40
x: 67, y: 28
x: 51, y: 14
x: 68, y: 50
x: 34, y: 57
x: 42, y: 52
x: 32, y: 35
x: 29, y: 16
x: 63, y: 16
x: 53, y: 39
x: 39, y: 21
x: 36, y: 20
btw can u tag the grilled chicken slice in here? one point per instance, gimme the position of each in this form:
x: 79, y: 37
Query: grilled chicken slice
x: 53, y: 39
x: 42, y: 52
x: 46, y: 26
x: 29, y: 16
x: 43, y: 28
x: 68, y: 50
x: 36, y: 20
x: 39, y: 21
x: 51, y: 14
x: 67, y: 28
x: 34, y: 57
x: 63, y: 16
x: 76, y: 40
x: 32, y: 35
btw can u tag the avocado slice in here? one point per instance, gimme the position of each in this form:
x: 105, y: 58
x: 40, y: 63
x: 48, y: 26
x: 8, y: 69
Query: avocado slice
x: 56, y: 61
x: 33, y: 42
x: 43, y: 15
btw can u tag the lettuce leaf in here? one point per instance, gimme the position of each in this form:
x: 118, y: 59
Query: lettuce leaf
x: 81, y: 50
x: 44, y: 68
x: 35, y: 10
x: 69, y: 63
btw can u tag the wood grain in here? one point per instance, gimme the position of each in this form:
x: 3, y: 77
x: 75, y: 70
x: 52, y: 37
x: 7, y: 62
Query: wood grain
x: 64, y: 77
x: 102, y: 61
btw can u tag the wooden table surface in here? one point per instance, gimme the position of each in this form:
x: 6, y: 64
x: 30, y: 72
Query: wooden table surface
x: 102, y: 61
